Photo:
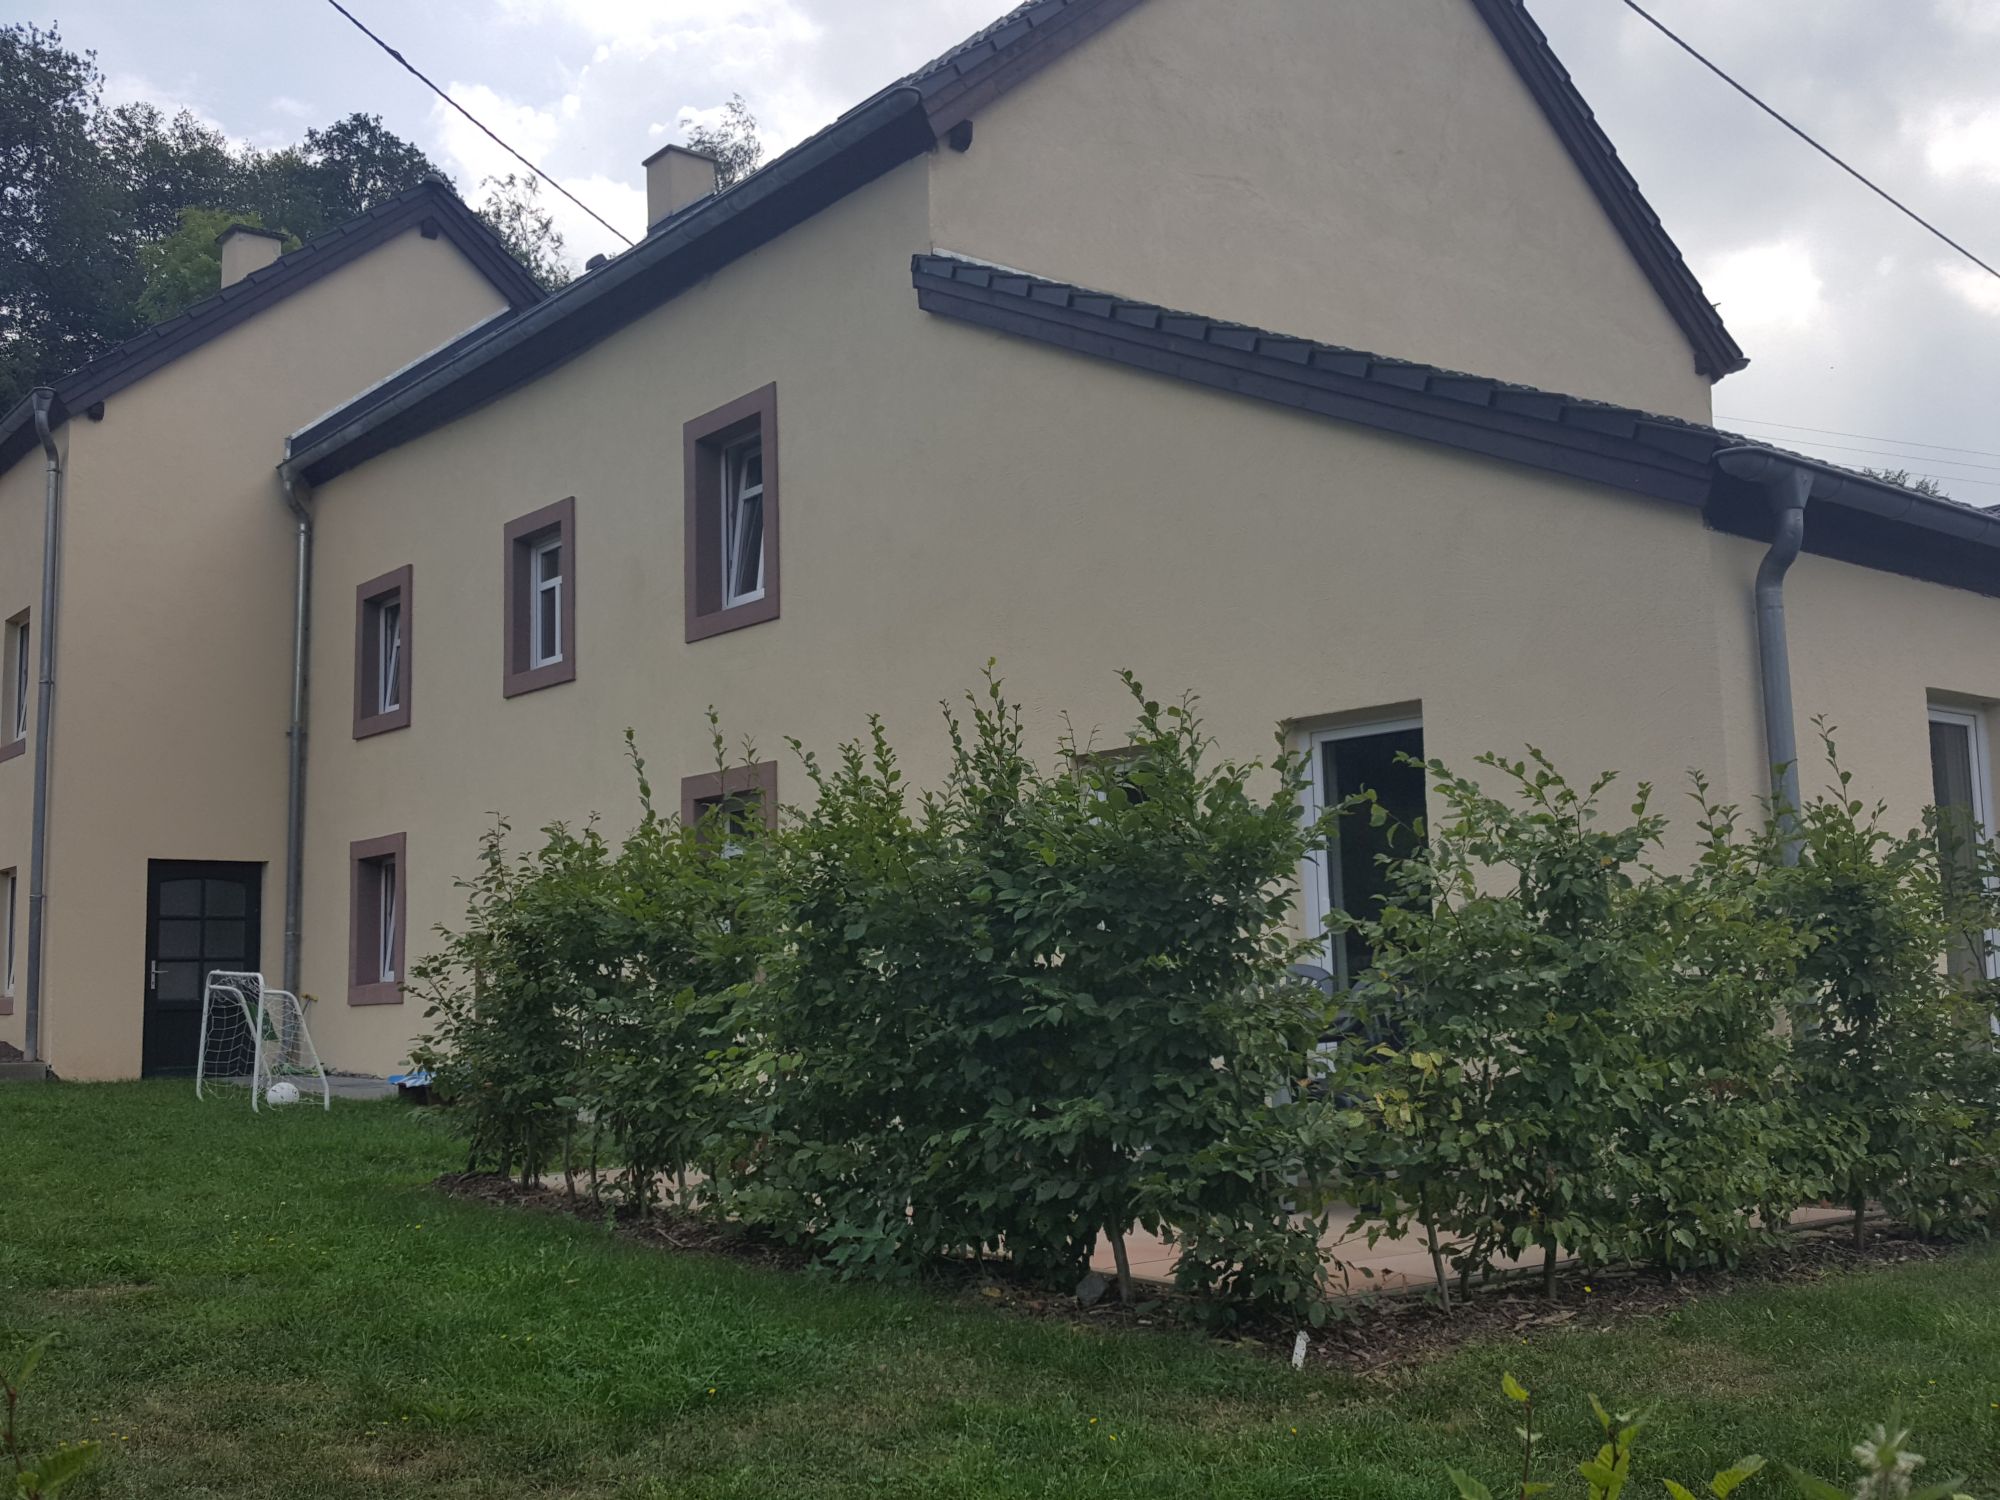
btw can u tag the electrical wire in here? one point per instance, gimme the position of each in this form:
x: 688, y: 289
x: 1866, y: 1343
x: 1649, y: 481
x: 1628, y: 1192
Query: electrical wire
x: 418, y: 75
x: 1881, y: 193
x: 1869, y: 437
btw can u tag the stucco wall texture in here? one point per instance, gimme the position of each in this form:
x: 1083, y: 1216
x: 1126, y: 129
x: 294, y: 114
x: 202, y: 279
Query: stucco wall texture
x: 174, y: 639
x: 952, y: 494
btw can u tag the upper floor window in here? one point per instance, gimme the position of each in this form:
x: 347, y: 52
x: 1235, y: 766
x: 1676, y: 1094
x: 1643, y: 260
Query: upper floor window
x: 382, y: 653
x: 20, y: 675
x: 730, y: 487
x: 540, y: 590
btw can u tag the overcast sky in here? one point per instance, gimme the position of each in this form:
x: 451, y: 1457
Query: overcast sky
x: 1855, y: 319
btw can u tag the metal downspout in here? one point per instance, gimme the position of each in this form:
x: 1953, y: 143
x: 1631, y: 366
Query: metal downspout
x: 295, y: 795
x: 1788, y: 487
x: 38, y: 845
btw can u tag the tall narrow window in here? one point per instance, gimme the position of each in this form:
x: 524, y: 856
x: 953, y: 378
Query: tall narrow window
x: 382, y: 618
x: 730, y: 499
x: 547, y: 630
x: 1376, y: 758
x: 540, y: 593
x: 389, y: 656
x: 20, y: 670
x: 1961, y: 791
x: 378, y: 919
x: 742, y: 523
x: 9, y: 894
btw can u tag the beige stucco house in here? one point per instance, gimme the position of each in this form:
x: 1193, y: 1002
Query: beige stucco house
x: 1052, y: 352
x: 164, y: 791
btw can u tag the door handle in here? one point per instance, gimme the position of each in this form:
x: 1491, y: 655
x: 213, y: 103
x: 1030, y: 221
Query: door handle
x: 153, y: 974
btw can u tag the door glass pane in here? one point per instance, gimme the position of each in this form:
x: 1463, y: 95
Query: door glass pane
x: 223, y: 941
x: 179, y: 982
x: 227, y: 899
x: 179, y: 939
x: 1358, y: 882
x: 180, y: 898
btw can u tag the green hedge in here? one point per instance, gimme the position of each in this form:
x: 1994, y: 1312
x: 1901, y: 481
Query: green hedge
x: 1038, y: 1004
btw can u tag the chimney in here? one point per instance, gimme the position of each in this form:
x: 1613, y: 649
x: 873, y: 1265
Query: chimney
x: 245, y: 249
x: 676, y: 177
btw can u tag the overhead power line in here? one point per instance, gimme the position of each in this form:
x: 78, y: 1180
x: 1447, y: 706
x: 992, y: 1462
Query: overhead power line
x: 419, y: 76
x: 1915, y: 458
x: 1879, y: 192
x: 1868, y: 437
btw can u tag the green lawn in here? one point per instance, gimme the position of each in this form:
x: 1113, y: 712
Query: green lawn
x: 278, y: 1306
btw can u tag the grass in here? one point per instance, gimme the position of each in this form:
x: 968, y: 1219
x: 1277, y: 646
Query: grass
x: 278, y: 1306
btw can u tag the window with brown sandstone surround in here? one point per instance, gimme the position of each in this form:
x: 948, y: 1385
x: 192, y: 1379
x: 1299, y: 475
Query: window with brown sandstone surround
x: 377, y: 920
x: 540, y: 614
x: 721, y: 804
x: 730, y: 494
x: 382, y: 654
x: 20, y: 674
x: 10, y: 891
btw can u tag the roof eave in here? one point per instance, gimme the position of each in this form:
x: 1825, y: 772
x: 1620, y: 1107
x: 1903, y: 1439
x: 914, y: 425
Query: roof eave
x: 863, y: 144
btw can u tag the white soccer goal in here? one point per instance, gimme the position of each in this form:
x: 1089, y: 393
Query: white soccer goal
x: 255, y: 1035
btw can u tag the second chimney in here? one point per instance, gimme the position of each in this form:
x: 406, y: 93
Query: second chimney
x: 245, y: 249
x: 676, y: 177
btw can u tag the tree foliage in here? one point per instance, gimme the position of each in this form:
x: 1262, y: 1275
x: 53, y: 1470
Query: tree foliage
x: 94, y: 242
x: 732, y: 141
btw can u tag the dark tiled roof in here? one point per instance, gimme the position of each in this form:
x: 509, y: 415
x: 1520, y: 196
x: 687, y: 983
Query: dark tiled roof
x: 1864, y: 520
x: 909, y: 117
x: 1716, y: 353
x: 430, y: 206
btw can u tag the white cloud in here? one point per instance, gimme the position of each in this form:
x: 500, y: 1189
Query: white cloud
x: 293, y: 109
x: 1964, y: 143
x: 726, y: 32
x: 1973, y: 287
x: 1977, y: 16
x: 1768, y: 287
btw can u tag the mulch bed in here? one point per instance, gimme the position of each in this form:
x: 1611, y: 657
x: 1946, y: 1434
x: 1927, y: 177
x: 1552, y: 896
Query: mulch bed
x: 1376, y: 1334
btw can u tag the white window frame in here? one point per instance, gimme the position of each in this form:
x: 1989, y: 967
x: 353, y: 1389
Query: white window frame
x: 389, y: 654
x: 10, y: 886
x: 18, y: 707
x: 1973, y: 720
x: 545, y: 593
x: 1322, y: 873
x: 386, y: 877
x: 735, y: 497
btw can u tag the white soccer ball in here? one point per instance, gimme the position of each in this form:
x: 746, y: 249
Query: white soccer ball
x: 282, y: 1092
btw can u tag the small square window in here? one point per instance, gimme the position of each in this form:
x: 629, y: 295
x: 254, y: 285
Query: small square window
x: 730, y: 490
x: 540, y: 589
x: 723, y: 804
x: 377, y: 921
x: 17, y: 689
x: 382, y: 654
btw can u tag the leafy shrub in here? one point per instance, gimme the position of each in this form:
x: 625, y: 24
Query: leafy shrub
x: 1587, y: 1055
x: 1886, y: 1038
x: 1032, y: 1008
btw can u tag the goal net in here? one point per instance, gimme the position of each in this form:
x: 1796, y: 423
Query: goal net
x: 256, y: 1036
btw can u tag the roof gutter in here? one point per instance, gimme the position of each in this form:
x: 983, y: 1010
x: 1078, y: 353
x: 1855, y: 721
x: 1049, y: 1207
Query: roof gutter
x: 298, y: 501
x: 43, y: 400
x: 1788, y: 484
x: 885, y: 131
